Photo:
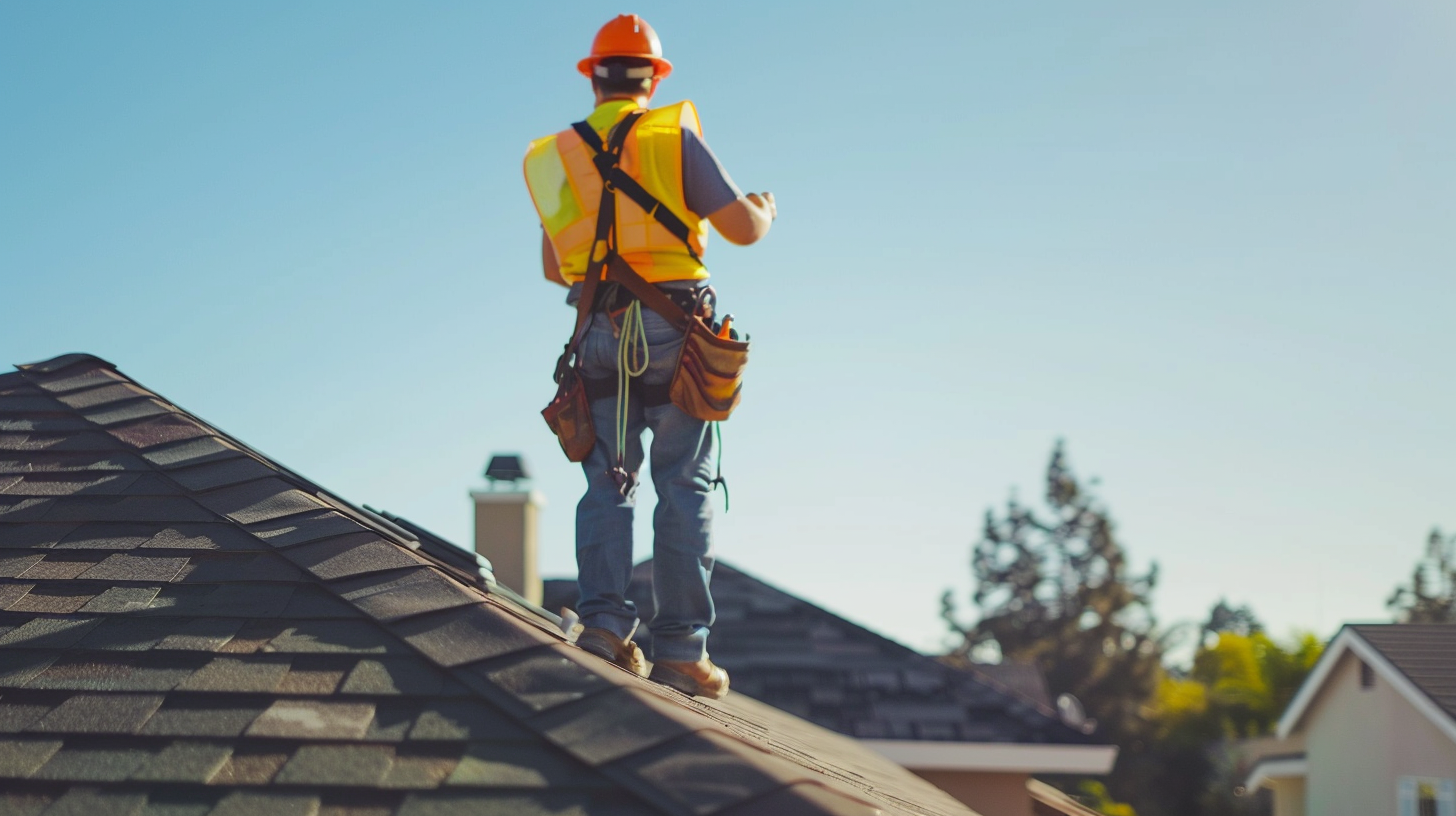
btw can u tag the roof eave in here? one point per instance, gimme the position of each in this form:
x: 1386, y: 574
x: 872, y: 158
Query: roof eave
x: 997, y: 757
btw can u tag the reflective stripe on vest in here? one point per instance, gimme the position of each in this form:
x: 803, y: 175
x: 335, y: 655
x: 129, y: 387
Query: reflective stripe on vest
x: 566, y: 189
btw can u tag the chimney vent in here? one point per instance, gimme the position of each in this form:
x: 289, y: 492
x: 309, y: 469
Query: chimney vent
x: 506, y: 518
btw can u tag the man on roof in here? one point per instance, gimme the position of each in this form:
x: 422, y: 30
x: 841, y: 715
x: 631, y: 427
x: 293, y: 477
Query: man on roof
x: 662, y: 150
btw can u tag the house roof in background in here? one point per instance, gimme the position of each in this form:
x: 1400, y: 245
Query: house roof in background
x: 814, y: 664
x: 1418, y: 660
x: 188, y: 627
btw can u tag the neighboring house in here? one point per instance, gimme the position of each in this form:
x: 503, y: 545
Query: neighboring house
x: 967, y: 731
x: 1372, y: 732
x: 189, y: 628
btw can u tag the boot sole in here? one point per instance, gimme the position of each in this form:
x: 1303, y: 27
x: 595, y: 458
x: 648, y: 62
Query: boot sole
x: 674, y: 679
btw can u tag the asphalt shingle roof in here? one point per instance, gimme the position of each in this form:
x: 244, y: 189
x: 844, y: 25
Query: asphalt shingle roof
x: 187, y: 627
x: 805, y: 660
x: 1424, y: 653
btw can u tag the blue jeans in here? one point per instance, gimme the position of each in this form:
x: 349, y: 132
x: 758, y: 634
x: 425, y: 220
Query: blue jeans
x: 682, y: 524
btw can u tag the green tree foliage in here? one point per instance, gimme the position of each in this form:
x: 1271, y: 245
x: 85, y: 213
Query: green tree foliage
x: 1431, y: 595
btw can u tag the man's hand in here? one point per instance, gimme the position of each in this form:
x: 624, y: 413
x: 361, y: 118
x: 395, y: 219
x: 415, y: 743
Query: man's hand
x: 745, y: 220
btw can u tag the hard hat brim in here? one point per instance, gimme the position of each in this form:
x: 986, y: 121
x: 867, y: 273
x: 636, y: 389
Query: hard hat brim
x: 660, y: 67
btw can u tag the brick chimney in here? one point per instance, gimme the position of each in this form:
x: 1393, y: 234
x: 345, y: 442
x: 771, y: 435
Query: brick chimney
x: 506, y: 515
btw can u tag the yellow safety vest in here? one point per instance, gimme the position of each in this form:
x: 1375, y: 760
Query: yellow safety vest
x: 567, y: 189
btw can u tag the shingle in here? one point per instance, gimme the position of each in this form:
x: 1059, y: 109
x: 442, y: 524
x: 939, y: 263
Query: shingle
x: 94, y: 761
x: 19, y: 758
x: 179, y: 802
x: 199, y: 635
x: 250, y: 765
x: 104, y: 395
x: 100, y: 714
x: 19, y: 803
x: 95, y: 483
x: 707, y: 772
x: 468, y: 633
x: 421, y: 768
x: 149, y: 484
x: 22, y: 403
x: 118, y: 671
x: 392, y: 722
x: 80, y: 378
x: 158, y: 430
x: 345, y: 556
x: 41, y: 424
x: 94, y: 802
x: 19, y: 710
x: 363, y: 765
x: 108, y: 536
x: 122, y: 599
x: 48, y: 633
x: 202, y: 537
x: 314, y: 602
x: 239, y: 567
x: 260, y: 500
x: 266, y: 803
x: 61, y: 566
x: 336, y: 636
x: 32, y: 536
x: 311, y: 719
x: 72, y: 462
x: 392, y: 596
x: 82, y: 441
x: 260, y: 673
x: 231, y: 600
x: 54, y: 599
x: 11, y: 593
x: 185, y: 761
x: 466, y: 720
x: 212, y: 475
x: 204, y: 716
x: 127, y: 633
x: 191, y: 452
x: 18, y: 667
x: 161, y: 509
x: 254, y: 636
x: 12, y: 565
x: 302, y: 529
x: 543, y: 678
x: 804, y: 800
x: 498, y: 765
x: 314, y: 675
x: 395, y: 675
x: 126, y: 411
x: 614, y: 724
x: 136, y: 567
x: 15, y: 510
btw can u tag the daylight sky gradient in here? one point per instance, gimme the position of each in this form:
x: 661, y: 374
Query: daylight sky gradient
x: 1211, y: 245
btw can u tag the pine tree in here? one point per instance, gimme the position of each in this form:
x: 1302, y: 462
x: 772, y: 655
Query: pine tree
x: 1431, y: 596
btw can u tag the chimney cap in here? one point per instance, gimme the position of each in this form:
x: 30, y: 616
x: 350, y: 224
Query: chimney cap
x: 506, y: 467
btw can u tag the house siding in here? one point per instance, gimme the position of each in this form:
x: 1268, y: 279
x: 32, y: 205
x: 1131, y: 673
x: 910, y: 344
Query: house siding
x: 992, y: 794
x: 1360, y: 741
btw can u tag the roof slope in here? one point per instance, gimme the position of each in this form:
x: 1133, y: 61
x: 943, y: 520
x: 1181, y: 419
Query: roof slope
x: 187, y: 627
x: 1424, y: 653
x: 810, y: 662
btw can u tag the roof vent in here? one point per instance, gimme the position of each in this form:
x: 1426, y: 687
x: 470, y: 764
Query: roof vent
x: 509, y: 468
x: 1071, y: 713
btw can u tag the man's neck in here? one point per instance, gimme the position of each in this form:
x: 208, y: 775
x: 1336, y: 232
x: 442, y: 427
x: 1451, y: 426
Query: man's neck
x: 640, y: 99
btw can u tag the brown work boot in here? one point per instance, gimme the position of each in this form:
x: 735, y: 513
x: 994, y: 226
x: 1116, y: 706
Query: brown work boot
x: 695, y: 679
x: 606, y: 645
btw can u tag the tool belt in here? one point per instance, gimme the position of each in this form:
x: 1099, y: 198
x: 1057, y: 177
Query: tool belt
x: 707, y: 382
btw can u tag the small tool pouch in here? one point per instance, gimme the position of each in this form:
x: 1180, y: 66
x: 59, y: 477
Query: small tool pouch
x: 569, y: 416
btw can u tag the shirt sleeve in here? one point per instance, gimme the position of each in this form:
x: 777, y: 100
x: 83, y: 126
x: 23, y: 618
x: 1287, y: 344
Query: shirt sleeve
x: 706, y: 185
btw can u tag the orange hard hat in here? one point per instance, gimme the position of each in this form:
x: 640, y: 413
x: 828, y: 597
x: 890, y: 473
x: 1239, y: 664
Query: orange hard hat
x: 627, y: 36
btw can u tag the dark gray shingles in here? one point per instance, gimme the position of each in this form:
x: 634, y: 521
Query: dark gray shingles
x: 396, y: 675
x: 260, y: 500
x: 126, y: 633
x: 202, y: 537
x: 199, y: 635
x: 12, y: 593
x: 235, y: 568
x: 345, y: 556
x: 126, y: 411
x: 305, y: 528
x: 88, y: 801
x: 266, y: 803
x: 392, y: 722
x: 61, y: 566
x: 313, y: 720
x: 94, y: 760
x: 706, y: 772
x: 136, y: 567
x: 118, y: 671
x: 543, y: 678
x: 122, y: 599
x: 100, y: 714
x: 12, y: 565
x: 158, y: 431
x: 103, y: 395
x: 108, y: 536
x: 192, y: 715
x: 421, y: 768
x: 464, y: 635
x: 316, y: 675
x: 335, y: 636
x: 48, y: 633
x: 500, y: 765
x: 15, y: 510
x: 71, y: 462
x: 251, y: 765
x: 69, y: 484
x: 19, y: 667
x: 254, y: 636
x: 19, y: 710
x: 212, y: 475
x: 192, y: 452
x: 32, y: 536
x: 363, y: 765
x: 314, y: 602
x: 254, y: 673
x: 19, y: 758
x: 185, y: 761
x: 463, y: 720
x: 19, y: 803
x: 393, y: 596
x: 615, y: 724
x: 81, y: 377
x: 161, y: 509
x: 231, y: 600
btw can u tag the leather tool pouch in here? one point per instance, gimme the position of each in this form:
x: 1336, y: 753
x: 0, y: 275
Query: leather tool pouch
x: 708, y: 383
x: 569, y: 416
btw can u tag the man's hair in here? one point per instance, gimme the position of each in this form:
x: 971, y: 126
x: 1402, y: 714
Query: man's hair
x: 623, y: 76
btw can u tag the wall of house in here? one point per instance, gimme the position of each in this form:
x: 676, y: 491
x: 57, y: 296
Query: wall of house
x: 1289, y: 798
x: 1360, y: 741
x: 990, y: 794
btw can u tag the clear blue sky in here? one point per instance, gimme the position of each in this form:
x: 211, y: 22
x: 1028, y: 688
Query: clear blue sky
x: 1210, y: 244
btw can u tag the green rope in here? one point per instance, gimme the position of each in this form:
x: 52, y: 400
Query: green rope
x: 719, y: 481
x: 631, y: 362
